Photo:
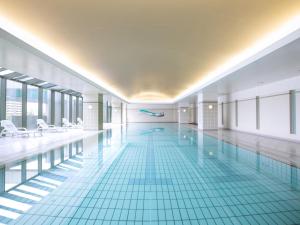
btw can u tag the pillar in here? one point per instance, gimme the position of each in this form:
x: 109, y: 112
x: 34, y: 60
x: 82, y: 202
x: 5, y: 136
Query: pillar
x: 2, y: 179
x: 207, y: 113
x: 40, y: 103
x: 24, y: 105
x: 40, y: 163
x: 183, y: 112
x: 2, y: 99
x: 116, y: 114
x: 124, y: 113
x: 93, y: 112
x: 223, y: 111
x: 23, y: 171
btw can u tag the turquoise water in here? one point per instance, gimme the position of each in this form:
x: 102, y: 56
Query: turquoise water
x: 163, y: 174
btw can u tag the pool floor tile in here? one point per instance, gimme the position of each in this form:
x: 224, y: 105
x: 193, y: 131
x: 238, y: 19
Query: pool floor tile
x: 171, y: 175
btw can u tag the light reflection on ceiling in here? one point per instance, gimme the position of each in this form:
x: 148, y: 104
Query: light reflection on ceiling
x: 157, y: 51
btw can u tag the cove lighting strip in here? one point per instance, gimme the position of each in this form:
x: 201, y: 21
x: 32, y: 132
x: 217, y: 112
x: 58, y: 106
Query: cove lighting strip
x: 282, y: 36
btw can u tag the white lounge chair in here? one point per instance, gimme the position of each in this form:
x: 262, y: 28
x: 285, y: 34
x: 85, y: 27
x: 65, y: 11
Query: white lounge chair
x: 10, y: 129
x: 79, y: 122
x: 43, y: 126
x: 67, y: 124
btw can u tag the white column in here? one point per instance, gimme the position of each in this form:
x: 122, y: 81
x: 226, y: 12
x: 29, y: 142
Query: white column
x: 124, y: 113
x: 200, y: 149
x: 116, y: 113
x: 183, y: 113
x: 93, y: 112
x: 200, y: 111
x: 207, y: 113
x: 222, y: 111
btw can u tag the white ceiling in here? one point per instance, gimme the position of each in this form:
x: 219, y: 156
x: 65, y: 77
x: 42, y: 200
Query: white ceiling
x: 281, y: 64
x: 146, y: 50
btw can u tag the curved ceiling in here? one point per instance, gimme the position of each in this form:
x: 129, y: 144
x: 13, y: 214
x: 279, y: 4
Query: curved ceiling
x: 149, y: 50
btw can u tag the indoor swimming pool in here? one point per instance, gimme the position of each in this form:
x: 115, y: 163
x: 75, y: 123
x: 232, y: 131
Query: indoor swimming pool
x: 155, y: 174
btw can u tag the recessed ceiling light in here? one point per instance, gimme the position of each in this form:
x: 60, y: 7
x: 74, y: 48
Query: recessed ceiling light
x: 26, y: 79
x: 43, y: 83
x: 5, y: 72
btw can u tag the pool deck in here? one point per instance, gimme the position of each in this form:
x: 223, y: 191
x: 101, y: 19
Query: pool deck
x: 284, y: 151
x: 18, y: 148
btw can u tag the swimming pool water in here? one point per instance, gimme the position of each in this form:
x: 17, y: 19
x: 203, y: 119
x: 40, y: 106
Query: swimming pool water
x: 164, y: 174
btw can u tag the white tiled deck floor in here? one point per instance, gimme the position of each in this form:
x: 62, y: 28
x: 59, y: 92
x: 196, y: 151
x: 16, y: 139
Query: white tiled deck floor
x: 282, y: 150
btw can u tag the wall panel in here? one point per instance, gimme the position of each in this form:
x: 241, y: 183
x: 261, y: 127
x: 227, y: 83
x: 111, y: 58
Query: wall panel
x: 247, y: 115
x: 274, y: 115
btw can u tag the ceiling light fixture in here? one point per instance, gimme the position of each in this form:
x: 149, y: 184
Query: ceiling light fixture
x: 43, y: 83
x: 26, y: 79
x: 5, y: 72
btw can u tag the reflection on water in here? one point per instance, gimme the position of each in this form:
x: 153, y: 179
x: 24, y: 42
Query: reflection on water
x: 152, y: 130
x: 158, y: 173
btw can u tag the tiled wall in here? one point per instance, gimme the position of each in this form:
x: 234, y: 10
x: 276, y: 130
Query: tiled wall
x: 208, y: 115
x: 91, y: 112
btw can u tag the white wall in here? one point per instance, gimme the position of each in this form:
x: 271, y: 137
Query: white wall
x: 135, y: 116
x: 274, y: 116
x: 274, y: 109
x: 210, y: 115
x: 187, y: 112
x: 246, y: 116
x: 184, y: 115
x: 183, y: 112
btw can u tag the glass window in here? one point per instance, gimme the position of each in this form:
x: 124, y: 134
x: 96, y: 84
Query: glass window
x: 57, y: 156
x: 12, y: 175
x: 47, y: 106
x: 1, y: 87
x: 57, y: 109
x: 32, y: 106
x: 46, y: 164
x: 32, y: 167
x: 2, y: 100
x: 67, y: 107
x: 74, y: 109
x: 66, y: 152
x: 74, y: 149
x: 14, y: 102
x: 80, y: 113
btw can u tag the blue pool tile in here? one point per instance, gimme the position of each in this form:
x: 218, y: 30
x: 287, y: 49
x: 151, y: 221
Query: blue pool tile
x: 158, y: 178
